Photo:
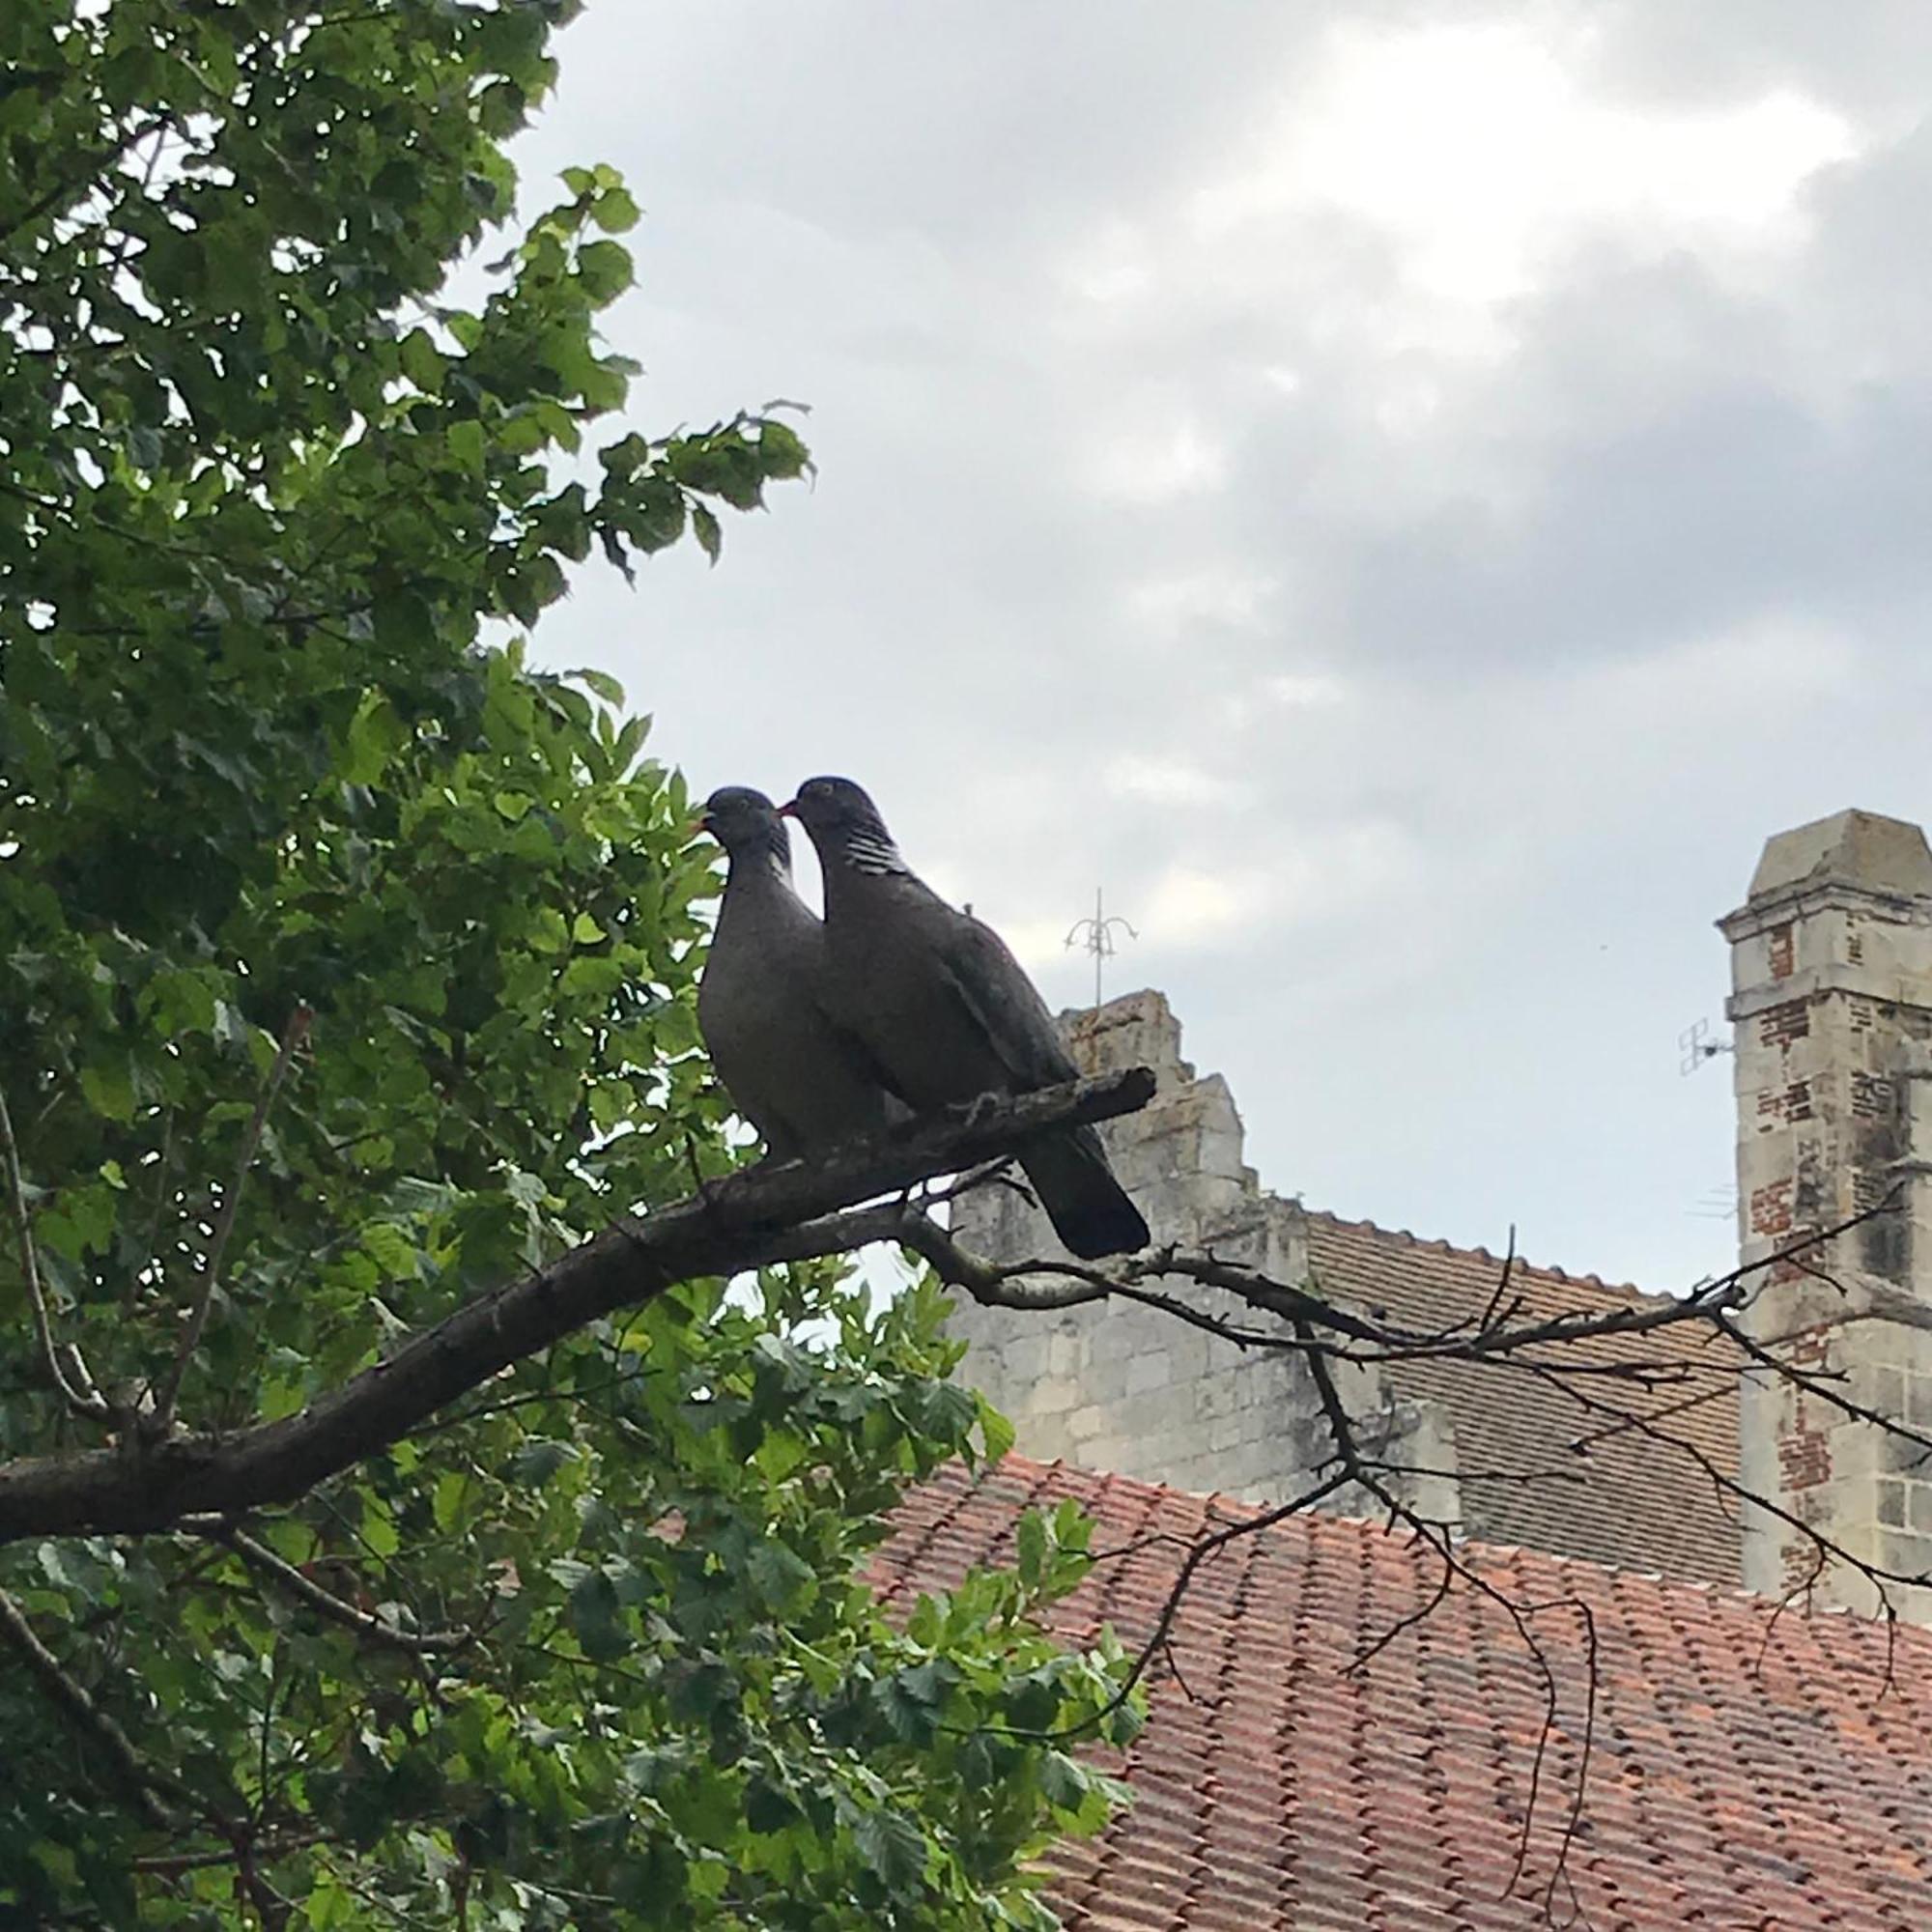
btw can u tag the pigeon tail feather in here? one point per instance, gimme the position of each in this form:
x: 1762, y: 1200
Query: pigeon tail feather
x: 1088, y: 1208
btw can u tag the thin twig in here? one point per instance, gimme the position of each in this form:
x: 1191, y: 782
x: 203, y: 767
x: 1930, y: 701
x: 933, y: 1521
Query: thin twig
x: 173, y: 1864
x: 259, y: 1556
x: 1198, y: 1553
x: 88, y: 173
x: 167, y: 1391
x: 79, y: 1394
x: 143, y: 1784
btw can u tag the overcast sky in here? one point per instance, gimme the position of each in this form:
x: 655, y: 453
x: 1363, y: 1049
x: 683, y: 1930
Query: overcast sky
x: 1407, y: 496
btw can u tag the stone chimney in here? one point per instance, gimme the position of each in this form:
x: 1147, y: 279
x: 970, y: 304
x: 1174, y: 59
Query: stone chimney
x: 1832, y: 1005
x: 1117, y: 1386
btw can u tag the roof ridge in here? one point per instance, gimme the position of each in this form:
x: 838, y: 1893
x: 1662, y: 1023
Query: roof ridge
x: 1440, y: 1246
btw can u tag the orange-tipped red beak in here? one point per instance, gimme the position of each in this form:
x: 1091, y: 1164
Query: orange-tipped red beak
x: 700, y: 824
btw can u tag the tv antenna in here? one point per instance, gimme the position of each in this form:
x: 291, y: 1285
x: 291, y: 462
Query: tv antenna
x: 1716, y: 1204
x: 1695, y: 1045
x: 1096, y: 936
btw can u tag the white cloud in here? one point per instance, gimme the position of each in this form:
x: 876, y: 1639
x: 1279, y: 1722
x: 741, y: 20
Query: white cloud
x: 1479, y: 150
x: 1227, y: 595
x: 1168, y: 780
x: 1153, y: 452
x: 1307, y: 687
x: 1189, y: 907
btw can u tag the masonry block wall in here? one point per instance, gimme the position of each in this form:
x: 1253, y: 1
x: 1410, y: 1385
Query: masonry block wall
x: 1132, y: 1390
x: 1832, y: 1004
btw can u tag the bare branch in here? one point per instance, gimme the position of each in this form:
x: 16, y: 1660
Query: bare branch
x: 1821, y: 1385
x: 1877, y: 1574
x: 78, y: 1390
x: 168, y: 1390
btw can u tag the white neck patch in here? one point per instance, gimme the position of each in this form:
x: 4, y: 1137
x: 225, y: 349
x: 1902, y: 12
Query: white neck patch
x: 875, y: 853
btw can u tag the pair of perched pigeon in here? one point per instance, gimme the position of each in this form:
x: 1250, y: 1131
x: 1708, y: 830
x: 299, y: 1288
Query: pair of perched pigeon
x: 895, y: 1004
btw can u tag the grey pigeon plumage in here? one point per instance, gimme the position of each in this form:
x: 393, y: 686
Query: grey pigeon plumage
x: 800, y: 1079
x: 947, y: 1012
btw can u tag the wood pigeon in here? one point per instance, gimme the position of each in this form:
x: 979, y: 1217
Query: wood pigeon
x: 803, y: 1081
x: 947, y: 1012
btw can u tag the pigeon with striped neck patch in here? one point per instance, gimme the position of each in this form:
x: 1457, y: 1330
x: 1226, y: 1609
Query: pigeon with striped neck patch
x: 803, y: 1081
x: 947, y: 1012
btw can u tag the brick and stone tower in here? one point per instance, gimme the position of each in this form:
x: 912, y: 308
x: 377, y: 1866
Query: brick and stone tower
x: 1831, y: 1004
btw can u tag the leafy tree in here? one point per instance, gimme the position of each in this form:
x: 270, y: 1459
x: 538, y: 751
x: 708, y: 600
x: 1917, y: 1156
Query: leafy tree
x: 346, y: 969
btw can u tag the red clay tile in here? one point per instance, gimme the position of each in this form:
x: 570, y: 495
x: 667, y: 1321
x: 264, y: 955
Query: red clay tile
x: 1734, y: 1782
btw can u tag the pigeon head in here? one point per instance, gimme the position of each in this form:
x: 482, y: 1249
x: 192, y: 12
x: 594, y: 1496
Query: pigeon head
x: 846, y: 825
x: 746, y: 824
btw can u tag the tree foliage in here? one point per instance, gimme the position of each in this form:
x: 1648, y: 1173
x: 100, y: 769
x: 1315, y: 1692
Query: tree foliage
x: 346, y: 966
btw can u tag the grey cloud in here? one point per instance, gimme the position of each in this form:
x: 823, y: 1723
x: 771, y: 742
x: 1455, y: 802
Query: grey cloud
x: 1638, y: 583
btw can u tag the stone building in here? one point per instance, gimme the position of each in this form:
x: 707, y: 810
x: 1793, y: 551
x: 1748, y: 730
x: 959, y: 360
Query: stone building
x: 1832, y: 1009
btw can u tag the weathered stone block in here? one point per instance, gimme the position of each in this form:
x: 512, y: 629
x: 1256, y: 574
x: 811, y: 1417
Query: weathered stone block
x: 1054, y: 1395
x: 1917, y: 1410
x: 1105, y: 1383
x: 1085, y: 1423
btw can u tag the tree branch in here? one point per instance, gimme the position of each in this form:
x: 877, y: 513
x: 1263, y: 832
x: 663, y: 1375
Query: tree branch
x: 747, y: 1220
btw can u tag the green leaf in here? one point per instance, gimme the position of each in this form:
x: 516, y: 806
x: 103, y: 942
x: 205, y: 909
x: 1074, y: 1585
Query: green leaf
x: 603, y: 684
x: 705, y: 527
x: 597, y: 1618
x: 422, y: 362
x: 615, y: 212
x: 330, y: 1905
x: 894, y: 1847
x: 376, y: 734
x: 995, y: 1432
x: 447, y: 1499
x: 767, y: 1808
x: 110, y: 1089
x: 779, y: 1575
x: 536, y: 1462
x: 1030, y: 1540
x: 379, y: 1528
x: 782, y: 453
x: 1063, y: 1780
x: 467, y: 445
x: 604, y: 268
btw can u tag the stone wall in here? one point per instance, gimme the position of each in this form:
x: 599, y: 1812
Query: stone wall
x: 1130, y: 1389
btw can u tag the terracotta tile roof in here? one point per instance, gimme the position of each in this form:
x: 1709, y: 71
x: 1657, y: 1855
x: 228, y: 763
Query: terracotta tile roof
x: 1749, y: 1770
x: 1629, y: 1504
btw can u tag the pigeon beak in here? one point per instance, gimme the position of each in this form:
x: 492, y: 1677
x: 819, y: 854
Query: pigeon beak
x: 699, y: 826
x: 790, y: 809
